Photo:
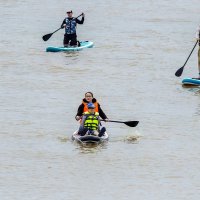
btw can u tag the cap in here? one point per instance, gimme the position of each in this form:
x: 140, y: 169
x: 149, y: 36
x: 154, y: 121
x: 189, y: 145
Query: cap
x: 90, y: 105
x: 69, y: 11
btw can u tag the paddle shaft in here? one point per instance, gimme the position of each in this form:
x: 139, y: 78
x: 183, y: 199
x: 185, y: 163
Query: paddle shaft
x: 79, y: 15
x: 112, y: 121
x: 190, y: 53
x: 56, y: 31
x: 116, y: 121
x: 180, y: 71
x: 128, y: 123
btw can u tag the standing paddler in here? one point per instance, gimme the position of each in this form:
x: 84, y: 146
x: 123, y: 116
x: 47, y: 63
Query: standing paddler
x: 69, y: 23
x: 179, y: 72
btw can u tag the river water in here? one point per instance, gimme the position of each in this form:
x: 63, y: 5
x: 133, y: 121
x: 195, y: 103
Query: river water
x: 138, y: 47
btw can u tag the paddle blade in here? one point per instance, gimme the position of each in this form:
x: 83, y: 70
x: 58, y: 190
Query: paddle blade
x: 47, y: 36
x: 179, y: 72
x: 132, y: 123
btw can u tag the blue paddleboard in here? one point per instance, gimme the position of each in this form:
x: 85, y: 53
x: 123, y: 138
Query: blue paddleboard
x: 191, y: 81
x: 83, y: 44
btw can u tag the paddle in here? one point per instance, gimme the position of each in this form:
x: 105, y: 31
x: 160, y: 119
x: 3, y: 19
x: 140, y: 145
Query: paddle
x: 47, y: 36
x: 128, y: 123
x: 180, y: 71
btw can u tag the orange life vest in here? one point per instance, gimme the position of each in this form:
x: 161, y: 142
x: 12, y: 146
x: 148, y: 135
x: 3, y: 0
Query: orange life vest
x: 85, y: 109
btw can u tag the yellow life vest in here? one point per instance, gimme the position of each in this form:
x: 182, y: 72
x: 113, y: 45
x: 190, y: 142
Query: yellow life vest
x: 92, y: 121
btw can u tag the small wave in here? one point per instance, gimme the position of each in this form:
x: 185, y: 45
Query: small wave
x: 63, y: 139
x: 132, y: 137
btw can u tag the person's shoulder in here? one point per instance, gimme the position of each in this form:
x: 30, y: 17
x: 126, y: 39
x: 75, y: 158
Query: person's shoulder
x: 84, y: 101
x: 94, y: 100
x: 64, y: 20
x: 81, y: 105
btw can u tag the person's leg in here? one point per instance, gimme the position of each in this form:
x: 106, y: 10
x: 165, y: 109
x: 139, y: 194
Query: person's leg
x: 199, y: 60
x: 82, y: 131
x: 95, y: 133
x: 66, y: 40
x: 102, y: 131
x: 73, y: 40
x: 91, y: 132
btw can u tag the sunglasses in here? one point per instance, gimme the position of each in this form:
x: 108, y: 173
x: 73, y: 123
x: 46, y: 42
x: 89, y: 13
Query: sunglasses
x: 88, y: 96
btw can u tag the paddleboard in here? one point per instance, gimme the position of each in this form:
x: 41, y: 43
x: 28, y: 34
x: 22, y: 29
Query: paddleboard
x: 86, y: 139
x: 191, y: 81
x: 83, y: 45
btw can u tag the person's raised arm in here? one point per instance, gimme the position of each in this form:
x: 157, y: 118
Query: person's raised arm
x: 80, y: 21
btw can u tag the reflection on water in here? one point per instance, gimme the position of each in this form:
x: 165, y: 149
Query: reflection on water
x: 87, y: 148
x: 192, y: 88
x: 195, y: 90
x: 64, y: 139
x: 72, y: 54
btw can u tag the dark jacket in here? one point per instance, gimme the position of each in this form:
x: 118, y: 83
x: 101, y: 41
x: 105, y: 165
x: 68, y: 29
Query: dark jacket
x: 81, y: 108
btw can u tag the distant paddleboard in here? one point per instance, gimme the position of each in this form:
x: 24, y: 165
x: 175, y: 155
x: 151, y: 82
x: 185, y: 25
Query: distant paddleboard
x: 191, y: 81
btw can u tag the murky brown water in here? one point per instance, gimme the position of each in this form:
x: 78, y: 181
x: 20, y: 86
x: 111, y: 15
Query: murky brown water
x: 138, y: 47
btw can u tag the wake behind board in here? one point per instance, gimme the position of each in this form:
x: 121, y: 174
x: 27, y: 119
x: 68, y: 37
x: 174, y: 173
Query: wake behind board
x: 83, y: 45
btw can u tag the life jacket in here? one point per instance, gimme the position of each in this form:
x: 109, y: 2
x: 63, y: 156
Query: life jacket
x: 85, y: 109
x: 92, y: 121
x: 70, y: 25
